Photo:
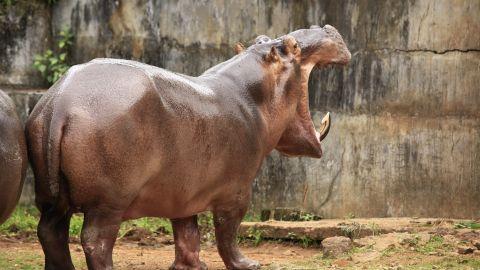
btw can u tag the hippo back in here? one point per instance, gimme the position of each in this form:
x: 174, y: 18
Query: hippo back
x: 13, y: 157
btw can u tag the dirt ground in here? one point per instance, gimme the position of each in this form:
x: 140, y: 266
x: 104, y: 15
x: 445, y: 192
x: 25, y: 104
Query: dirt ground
x: 129, y: 255
x: 373, y: 244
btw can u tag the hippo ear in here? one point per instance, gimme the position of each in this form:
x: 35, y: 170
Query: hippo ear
x: 290, y: 45
x: 262, y: 39
x: 239, y: 48
x: 272, y: 56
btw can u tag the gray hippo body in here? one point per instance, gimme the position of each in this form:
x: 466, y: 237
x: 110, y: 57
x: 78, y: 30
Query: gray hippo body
x: 118, y: 139
x: 13, y: 157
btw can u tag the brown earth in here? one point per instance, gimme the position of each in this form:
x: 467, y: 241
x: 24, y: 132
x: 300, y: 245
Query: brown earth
x: 392, y: 244
x: 129, y: 255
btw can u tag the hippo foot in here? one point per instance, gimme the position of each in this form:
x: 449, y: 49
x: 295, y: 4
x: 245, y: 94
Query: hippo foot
x: 182, y: 266
x: 244, y: 264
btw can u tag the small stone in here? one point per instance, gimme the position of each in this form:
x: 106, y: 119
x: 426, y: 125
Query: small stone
x: 465, y: 249
x: 335, y: 246
x: 476, y: 252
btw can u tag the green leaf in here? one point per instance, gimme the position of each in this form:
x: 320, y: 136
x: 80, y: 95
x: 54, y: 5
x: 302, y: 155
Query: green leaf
x: 53, y: 60
x: 42, y: 68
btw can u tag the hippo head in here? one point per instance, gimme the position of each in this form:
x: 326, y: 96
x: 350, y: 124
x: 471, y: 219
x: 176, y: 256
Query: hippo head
x: 289, y: 61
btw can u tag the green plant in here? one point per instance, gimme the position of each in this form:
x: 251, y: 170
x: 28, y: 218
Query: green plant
x: 151, y: 224
x: 307, y: 241
x: 468, y: 225
x: 53, y: 64
x: 7, y: 3
x: 23, y: 220
x: 306, y: 217
x: 435, y: 243
x: 256, y: 235
x: 349, y: 216
x: 374, y: 227
x: 252, y: 217
x: 352, y: 230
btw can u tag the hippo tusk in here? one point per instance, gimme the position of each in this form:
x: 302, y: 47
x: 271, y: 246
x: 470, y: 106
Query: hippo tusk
x: 325, y: 128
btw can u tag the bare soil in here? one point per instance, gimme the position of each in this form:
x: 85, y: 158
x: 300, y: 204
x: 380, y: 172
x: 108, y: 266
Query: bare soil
x: 130, y: 255
x: 376, y: 244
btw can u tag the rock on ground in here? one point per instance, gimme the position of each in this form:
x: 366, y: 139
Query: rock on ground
x: 335, y: 246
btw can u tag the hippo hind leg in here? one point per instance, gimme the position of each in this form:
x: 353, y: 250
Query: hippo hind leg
x: 226, y: 227
x: 99, y: 232
x: 187, y: 244
x: 53, y: 235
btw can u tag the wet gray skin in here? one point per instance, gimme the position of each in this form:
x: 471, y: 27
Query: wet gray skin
x: 13, y: 157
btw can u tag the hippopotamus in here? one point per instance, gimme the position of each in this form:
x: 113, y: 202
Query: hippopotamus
x: 13, y: 157
x: 119, y: 140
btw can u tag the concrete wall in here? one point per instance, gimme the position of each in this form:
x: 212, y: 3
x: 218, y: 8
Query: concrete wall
x: 405, y: 137
x: 24, y: 32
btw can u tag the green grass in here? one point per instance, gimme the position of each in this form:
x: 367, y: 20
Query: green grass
x: 468, y: 225
x: 26, y: 259
x: 436, y: 243
x: 24, y: 221
x: 21, y: 260
x: 449, y: 263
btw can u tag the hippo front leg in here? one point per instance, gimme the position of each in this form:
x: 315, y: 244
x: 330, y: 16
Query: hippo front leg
x: 226, y: 227
x: 187, y: 244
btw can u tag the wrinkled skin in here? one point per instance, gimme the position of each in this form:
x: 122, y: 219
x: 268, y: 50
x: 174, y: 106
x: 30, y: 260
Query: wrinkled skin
x: 13, y: 157
x: 119, y: 140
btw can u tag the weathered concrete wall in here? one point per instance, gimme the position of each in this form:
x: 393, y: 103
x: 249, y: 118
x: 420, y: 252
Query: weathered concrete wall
x: 405, y: 137
x: 24, y: 32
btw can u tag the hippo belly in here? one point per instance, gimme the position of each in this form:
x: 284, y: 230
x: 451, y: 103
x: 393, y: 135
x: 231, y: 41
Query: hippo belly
x: 160, y: 169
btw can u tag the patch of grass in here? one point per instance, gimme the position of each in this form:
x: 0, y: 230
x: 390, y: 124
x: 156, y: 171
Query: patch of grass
x: 449, y: 263
x: 76, y: 224
x: 468, y: 225
x: 374, y: 227
x: 23, y: 220
x: 252, y: 217
x: 21, y: 260
x: 28, y: 259
x: 390, y: 251
x: 254, y: 234
x: 317, y: 262
x: 436, y: 243
x: 349, y: 216
x: 149, y: 223
x: 307, y: 241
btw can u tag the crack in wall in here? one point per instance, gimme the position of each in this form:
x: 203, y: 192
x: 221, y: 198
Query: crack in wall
x: 332, y: 183
x: 427, y: 50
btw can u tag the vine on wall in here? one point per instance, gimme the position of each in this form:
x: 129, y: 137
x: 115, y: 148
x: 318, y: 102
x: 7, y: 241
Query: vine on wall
x: 52, y: 64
